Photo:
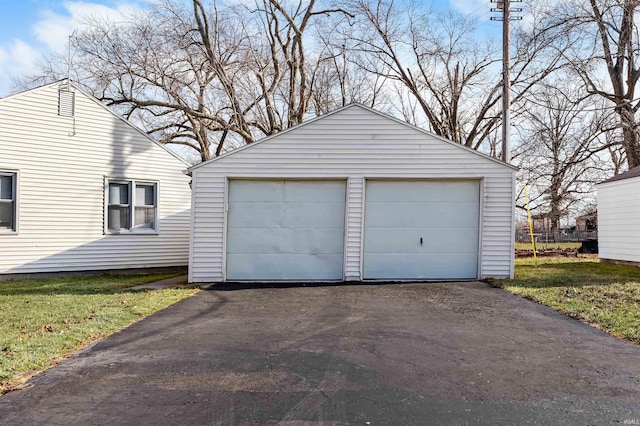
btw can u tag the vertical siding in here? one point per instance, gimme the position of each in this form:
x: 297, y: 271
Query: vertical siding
x: 354, y: 143
x: 62, y: 166
x: 209, y: 228
x: 619, y: 220
x: 512, y: 249
x: 194, y: 184
x: 353, y: 230
x: 497, y: 228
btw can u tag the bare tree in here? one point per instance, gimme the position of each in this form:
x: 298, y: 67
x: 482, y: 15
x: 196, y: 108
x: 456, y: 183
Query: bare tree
x: 159, y: 71
x: 562, y: 152
x: 604, y: 57
x: 453, y: 76
x: 338, y: 80
x: 213, y: 77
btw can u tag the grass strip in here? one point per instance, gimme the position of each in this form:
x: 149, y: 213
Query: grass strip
x: 43, y: 321
x: 604, y: 295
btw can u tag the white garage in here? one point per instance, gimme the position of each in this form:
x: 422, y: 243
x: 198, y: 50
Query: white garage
x: 352, y: 195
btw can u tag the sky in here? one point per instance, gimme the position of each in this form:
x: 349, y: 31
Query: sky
x: 32, y: 29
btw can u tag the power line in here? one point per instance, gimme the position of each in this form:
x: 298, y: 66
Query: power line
x: 595, y: 109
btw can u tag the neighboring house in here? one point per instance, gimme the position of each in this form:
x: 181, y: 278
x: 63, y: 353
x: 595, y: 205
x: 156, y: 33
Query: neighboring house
x: 82, y: 189
x: 542, y: 224
x: 619, y: 218
x: 352, y: 195
x: 587, y: 222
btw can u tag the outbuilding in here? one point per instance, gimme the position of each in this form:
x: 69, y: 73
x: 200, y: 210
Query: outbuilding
x: 618, y: 224
x: 352, y: 195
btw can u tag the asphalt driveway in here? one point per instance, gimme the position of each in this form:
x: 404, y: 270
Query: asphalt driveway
x: 454, y: 353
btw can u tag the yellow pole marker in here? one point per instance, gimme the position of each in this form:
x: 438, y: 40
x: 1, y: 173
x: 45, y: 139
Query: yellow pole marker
x: 533, y: 240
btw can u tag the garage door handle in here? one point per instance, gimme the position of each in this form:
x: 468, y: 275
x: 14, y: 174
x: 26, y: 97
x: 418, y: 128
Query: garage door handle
x: 420, y: 240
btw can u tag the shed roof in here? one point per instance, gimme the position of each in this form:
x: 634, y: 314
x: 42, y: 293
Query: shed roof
x: 336, y: 111
x: 635, y: 172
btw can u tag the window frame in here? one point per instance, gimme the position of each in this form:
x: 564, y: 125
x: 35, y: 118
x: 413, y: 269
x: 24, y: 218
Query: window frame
x: 15, y: 174
x: 131, y: 185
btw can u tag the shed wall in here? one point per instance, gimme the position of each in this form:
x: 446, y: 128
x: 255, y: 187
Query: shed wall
x: 61, y: 191
x: 353, y: 143
x: 619, y: 220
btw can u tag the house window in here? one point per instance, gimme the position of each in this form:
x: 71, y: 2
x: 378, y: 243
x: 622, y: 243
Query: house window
x: 132, y: 206
x: 8, y: 201
x: 145, y: 210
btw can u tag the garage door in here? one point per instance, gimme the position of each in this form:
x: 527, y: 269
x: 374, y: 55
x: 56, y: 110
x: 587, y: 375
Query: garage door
x: 285, y: 230
x: 421, y: 229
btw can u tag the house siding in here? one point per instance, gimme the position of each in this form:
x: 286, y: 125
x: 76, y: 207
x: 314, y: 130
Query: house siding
x: 355, y: 144
x: 62, y: 164
x: 618, y: 220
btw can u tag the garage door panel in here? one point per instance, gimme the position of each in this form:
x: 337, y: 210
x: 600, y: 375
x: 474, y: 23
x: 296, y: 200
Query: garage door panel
x: 314, y: 192
x: 422, y: 215
x: 256, y: 191
x: 421, y: 265
x: 321, y: 215
x: 453, y: 191
x: 257, y: 215
x: 445, y: 214
x: 285, y: 230
x: 434, y: 240
x: 285, y: 241
x: 286, y: 215
x: 277, y: 267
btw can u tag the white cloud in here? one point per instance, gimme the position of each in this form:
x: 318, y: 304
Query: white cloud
x: 16, y: 58
x: 53, y: 30
x: 51, y: 34
x: 478, y: 8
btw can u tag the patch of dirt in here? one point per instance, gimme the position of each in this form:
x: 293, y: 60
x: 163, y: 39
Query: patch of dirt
x: 552, y: 252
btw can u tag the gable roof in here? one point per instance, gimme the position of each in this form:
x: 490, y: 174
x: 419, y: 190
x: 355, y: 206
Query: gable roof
x: 102, y: 105
x: 336, y: 111
x: 635, y: 172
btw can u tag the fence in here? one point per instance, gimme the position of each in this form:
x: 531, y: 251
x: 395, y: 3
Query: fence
x: 522, y: 236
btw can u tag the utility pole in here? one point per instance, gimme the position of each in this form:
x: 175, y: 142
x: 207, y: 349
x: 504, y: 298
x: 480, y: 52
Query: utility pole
x: 504, y: 7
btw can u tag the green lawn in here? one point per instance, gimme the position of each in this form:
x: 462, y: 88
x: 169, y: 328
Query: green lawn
x: 43, y: 321
x: 606, y: 296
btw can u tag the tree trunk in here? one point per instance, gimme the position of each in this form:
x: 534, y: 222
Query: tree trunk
x: 631, y: 141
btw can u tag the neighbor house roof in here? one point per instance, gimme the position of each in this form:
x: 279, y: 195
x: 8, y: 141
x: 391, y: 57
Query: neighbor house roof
x: 635, y: 172
x: 105, y: 107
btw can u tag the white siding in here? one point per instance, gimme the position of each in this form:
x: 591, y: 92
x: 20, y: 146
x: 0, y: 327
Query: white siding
x: 353, y: 231
x: 62, y: 166
x: 619, y: 220
x: 208, y: 228
x: 353, y: 143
